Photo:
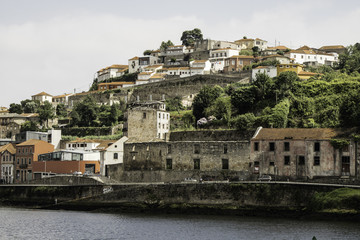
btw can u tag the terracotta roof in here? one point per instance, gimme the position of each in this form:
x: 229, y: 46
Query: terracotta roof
x: 61, y: 96
x: 115, y: 83
x: 8, y: 147
x: 153, y: 66
x: 176, y: 46
x: 158, y: 75
x: 303, y: 73
x: 296, y: 133
x: 29, y: 114
x: 277, y: 55
x: 245, y: 40
x: 42, y: 94
x: 278, y: 48
x: 332, y: 47
x: 134, y: 58
x: 81, y: 140
x: 145, y: 73
x: 31, y: 142
x: 201, y: 61
x: 241, y: 56
x: 105, y: 144
x: 261, y: 67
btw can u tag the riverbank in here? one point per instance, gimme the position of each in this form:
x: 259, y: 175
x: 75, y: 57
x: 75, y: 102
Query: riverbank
x: 244, y: 199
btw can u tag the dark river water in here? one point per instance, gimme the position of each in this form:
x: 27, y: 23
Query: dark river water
x: 18, y: 223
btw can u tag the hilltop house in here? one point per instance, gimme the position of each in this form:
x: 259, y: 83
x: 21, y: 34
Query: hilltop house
x: 271, y: 71
x: 297, y: 68
x: 237, y: 62
x: 112, y: 71
x: 249, y: 43
x: 218, y: 56
x: 309, y: 56
x: 42, y: 97
x: 61, y: 99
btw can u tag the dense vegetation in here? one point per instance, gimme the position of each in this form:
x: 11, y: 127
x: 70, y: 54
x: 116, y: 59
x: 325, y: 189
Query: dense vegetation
x: 329, y: 99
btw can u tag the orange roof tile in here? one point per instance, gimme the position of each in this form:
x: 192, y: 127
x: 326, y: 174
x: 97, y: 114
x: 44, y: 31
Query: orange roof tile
x: 8, y: 147
x: 134, y: 58
x: 31, y: 142
x: 42, y: 94
x: 241, y: 56
x: 296, y: 133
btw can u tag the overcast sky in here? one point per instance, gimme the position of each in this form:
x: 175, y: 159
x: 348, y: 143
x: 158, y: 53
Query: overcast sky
x: 57, y: 46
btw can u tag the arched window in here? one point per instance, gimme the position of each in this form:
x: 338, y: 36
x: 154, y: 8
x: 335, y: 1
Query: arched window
x: 115, y: 156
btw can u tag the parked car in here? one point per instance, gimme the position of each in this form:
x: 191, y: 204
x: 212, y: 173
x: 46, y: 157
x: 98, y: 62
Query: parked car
x: 265, y: 178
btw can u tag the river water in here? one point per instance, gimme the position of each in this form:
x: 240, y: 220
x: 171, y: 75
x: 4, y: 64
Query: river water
x: 17, y: 223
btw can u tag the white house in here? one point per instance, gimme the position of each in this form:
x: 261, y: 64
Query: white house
x: 200, y: 67
x: 175, y: 50
x: 133, y: 64
x: 306, y: 55
x: 271, y: 71
x: 113, y: 154
x: 249, y: 43
x: 42, y: 97
x: 217, y: 57
x: 144, y: 77
x: 82, y: 145
x: 112, y: 71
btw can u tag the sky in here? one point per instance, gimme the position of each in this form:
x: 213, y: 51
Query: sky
x: 57, y: 46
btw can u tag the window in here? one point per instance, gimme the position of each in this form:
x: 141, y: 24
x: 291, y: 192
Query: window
x: 168, y: 163
x: 144, y: 115
x: 169, y: 148
x: 286, y: 160
x: 286, y: 146
x: 196, y: 148
x: 18, y: 160
x: 29, y: 160
x: 197, y: 164
x: 225, y: 164
x: 316, y: 160
x: 225, y: 148
x: 317, y: 147
x: 271, y: 146
x: 272, y: 164
x: 256, y: 146
x: 115, y: 156
x: 301, y: 160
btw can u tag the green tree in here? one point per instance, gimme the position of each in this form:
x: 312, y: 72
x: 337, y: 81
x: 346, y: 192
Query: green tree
x: 263, y: 83
x: 94, y: 85
x: 46, y: 112
x: 165, y: 45
x: 255, y: 51
x: 16, y: 108
x: 350, y: 109
x: 61, y: 110
x: 285, y: 82
x: 350, y: 60
x: 189, y: 37
x: 174, y: 104
x: 205, y: 99
x: 31, y: 107
x: 221, y: 108
x: 85, y: 113
x: 243, y: 98
x: 244, y: 122
x: 280, y: 112
x: 29, y: 126
x: 147, y: 52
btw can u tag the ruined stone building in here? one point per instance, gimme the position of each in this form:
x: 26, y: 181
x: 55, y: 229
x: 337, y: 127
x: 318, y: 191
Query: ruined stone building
x: 302, y: 153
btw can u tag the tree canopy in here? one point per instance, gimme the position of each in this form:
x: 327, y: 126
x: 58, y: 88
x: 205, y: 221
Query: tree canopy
x: 189, y: 37
x: 165, y: 45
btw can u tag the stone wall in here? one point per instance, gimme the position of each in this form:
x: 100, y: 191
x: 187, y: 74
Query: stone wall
x: 183, y: 86
x: 216, y: 135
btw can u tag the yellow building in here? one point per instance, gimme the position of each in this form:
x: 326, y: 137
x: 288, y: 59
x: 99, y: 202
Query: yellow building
x: 294, y: 67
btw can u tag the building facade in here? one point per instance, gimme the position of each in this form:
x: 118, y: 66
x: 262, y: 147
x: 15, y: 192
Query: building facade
x: 7, y: 158
x: 26, y: 153
x: 301, y: 154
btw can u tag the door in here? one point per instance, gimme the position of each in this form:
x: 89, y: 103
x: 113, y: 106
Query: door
x: 345, y: 165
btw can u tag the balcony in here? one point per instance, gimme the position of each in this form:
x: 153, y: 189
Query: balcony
x: 23, y: 166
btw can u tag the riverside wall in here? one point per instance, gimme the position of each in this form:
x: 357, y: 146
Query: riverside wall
x: 182, y: 197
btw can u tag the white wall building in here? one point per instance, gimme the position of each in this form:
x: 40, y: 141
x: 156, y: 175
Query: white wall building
x: 305, y: 55
x: 133, y: 64
x: 271, y: 71
x: 82, y: 145
x: 112, y: 154
x: 42, y: 97
x: 112, y: 71
x: 217, y: 57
